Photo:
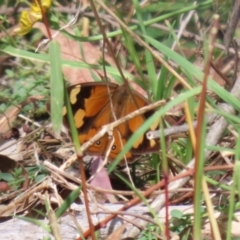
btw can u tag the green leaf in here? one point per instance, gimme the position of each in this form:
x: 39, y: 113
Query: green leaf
x: 68, y: 201
x: 176, y: 213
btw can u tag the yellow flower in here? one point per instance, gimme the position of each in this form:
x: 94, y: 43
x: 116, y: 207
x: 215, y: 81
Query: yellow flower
x: 29, y: 17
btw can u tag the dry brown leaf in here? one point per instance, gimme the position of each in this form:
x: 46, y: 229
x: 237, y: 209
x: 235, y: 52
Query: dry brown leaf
x: 9, y: 116
x: 101, y: 180
x: 7, y: 119
x: 116, y: 235
x: 71, y: 51
x: 7, y: 164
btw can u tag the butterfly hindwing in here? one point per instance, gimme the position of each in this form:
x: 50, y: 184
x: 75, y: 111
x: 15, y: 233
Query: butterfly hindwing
x: 142, y: 144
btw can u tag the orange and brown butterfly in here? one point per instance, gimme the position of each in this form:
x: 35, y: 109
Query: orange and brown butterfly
x: 92, y: 109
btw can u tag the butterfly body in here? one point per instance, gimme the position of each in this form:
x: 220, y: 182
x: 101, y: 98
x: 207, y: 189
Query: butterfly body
x: 97, y: 104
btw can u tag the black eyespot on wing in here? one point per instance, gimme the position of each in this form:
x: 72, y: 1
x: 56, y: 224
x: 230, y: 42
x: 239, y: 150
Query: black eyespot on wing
x: 98, y: 142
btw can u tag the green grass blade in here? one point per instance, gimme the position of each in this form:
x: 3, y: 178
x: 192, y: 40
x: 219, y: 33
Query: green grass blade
x: 37, y: 222
x: 235, y: 186
x: 72, y: 125
x: 194, y: 71
x: 57, y: 90
x: 198, y: 184
x: 68, y: 201
x: 42, y: 57
x: 152, y: 76
x: 162, y: 17
x: 232, y: 200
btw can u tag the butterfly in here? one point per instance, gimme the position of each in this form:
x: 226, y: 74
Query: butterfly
x: 97, y: 104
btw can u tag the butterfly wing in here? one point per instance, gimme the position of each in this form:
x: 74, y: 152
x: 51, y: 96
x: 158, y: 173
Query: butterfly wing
x: 93, y: 109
